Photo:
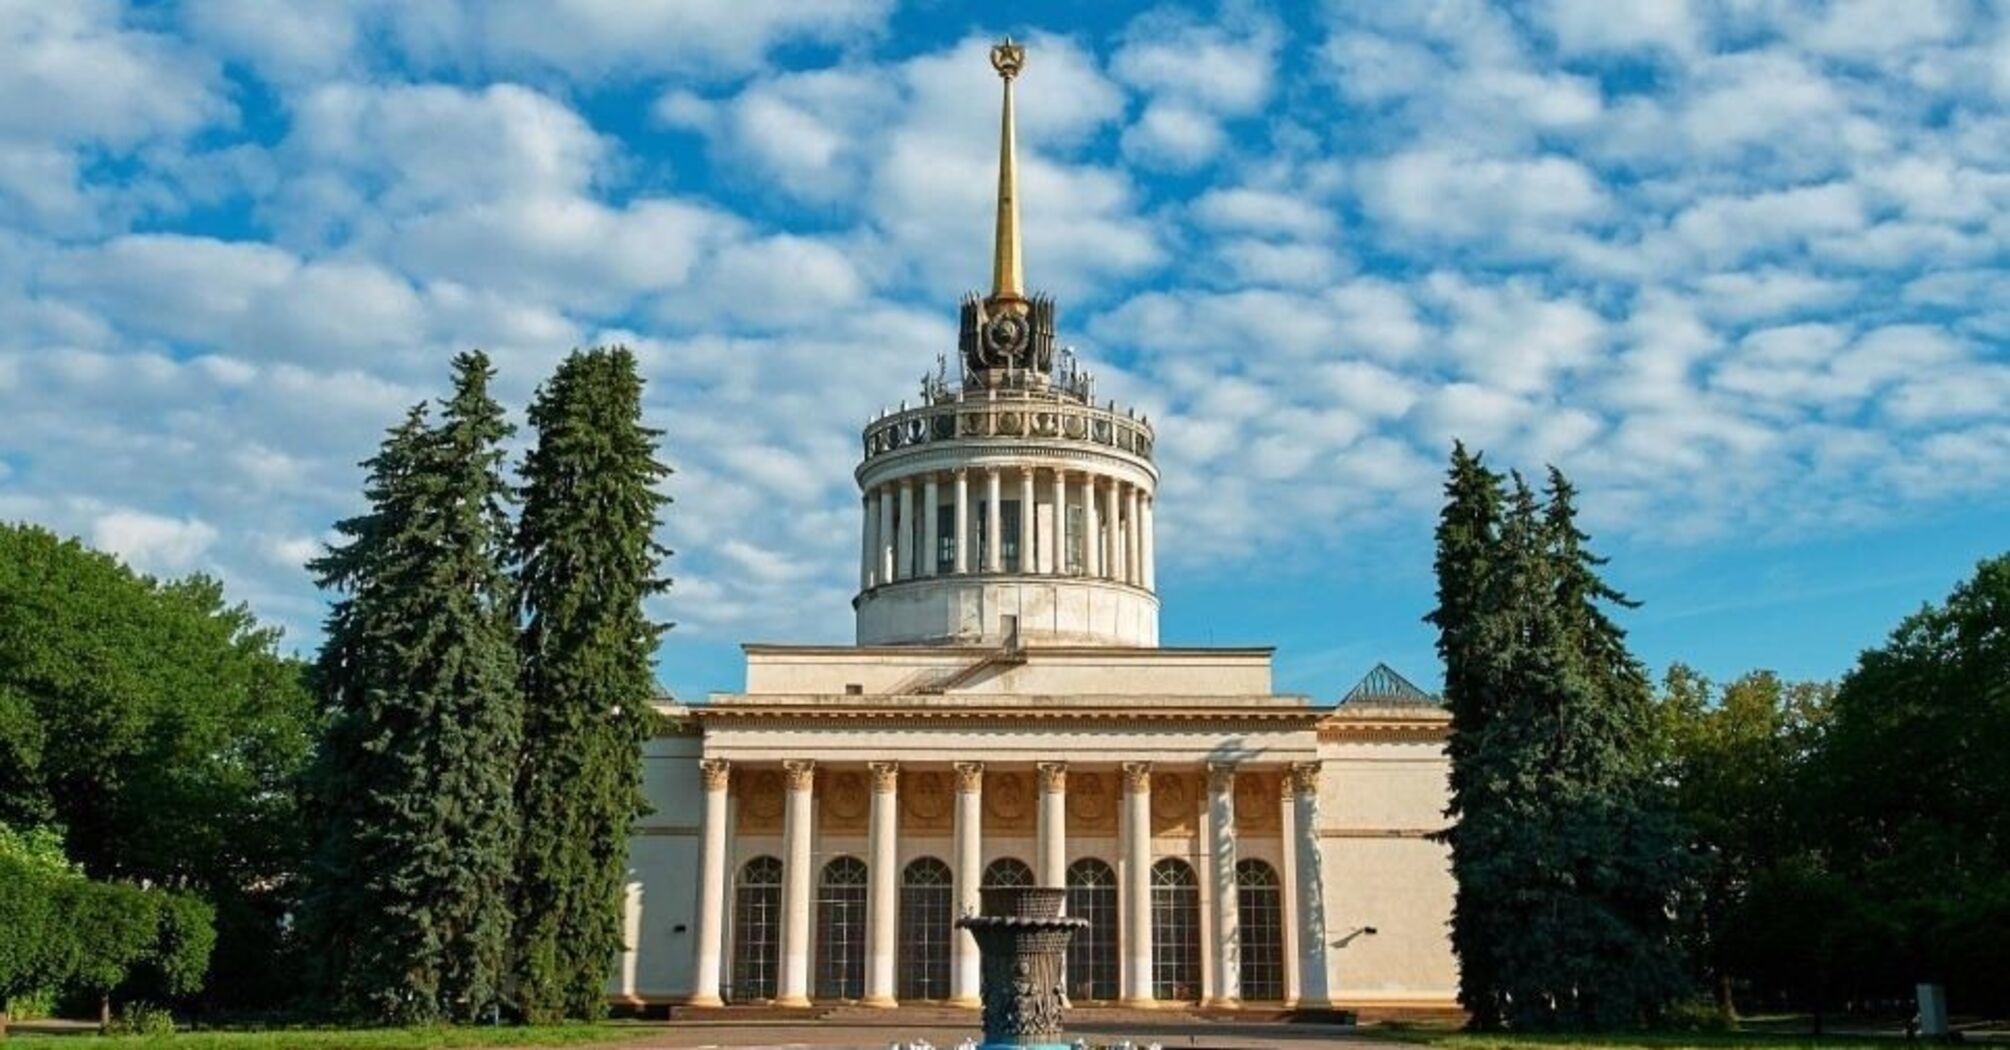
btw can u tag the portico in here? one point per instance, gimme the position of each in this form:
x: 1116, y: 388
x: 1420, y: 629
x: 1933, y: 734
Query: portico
x: 1158, y: 874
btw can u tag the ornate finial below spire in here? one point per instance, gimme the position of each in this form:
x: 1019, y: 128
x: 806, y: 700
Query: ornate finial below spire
x: 1007, y: 283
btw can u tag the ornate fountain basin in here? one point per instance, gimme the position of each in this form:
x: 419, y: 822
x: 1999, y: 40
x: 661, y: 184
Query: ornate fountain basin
x: 1023, y: 940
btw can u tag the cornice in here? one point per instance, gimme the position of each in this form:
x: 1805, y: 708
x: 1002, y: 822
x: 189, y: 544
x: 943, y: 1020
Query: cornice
x: 825, y: 714
x: 953, y: 580
x: 976, y: 454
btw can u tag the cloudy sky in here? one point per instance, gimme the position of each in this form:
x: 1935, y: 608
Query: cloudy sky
x: 1739, y: 267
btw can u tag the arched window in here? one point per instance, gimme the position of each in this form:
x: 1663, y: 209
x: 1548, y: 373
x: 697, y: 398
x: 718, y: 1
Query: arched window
x: 1007, y: 872
x: 1092, y: 954
x: 841, y: 930
x: 1175, y: 932
x: 1259, y: 912
x: 927, y: 890
x: 757, y: 929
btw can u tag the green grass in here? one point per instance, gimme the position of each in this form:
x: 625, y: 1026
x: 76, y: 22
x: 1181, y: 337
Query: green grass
x: 344, y: 1038
x: 1448, y: 1039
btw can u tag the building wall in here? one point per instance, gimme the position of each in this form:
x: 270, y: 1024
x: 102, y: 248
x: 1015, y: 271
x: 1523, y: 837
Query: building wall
x: 792, y: 670
x: 1378, y: 800
x: 662, y: 905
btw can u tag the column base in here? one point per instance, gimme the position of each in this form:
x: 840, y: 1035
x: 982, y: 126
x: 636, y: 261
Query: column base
x: 797, y: 1001
x: 705, y: 1001
x: 1219, y: 1003
x: 1129, y: 1003
x: 879, y: 1002
x: 967, y: 1002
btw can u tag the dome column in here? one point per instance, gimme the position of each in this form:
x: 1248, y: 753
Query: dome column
x: 1092, y: 542
x: 962, y: 520
x: 1151, y: 564
x: 1029, y: 562
x: 903, y: 543
x: 1134, y: 568
x: 1113, y: 538
x: 869, y: 540
x: 994, y: 550
x: 1057, y: 550
x: 931, y: 525
x: 884, y: 553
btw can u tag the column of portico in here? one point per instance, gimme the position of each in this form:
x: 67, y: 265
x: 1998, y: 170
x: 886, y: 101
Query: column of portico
x: 868, y: 541
x: 1057, y: 551
x: 1287, y: 826
x: 796, y: 831
x: 1137, y: 889
x: 884, y: 554
x: 903, y: 545
x: 1113, y: 554
x: 1092, y: 543
x: 716, y: 773
x: 994, y: 551
x: 1134, y: 566
x: 1028, y: 560
x: 969, y: 869
x: 931, y: 525
x: 882, y: 902
x: 1151, y: 571
x: 962, y: 520
x: 1221, y: 868
x: 1312, y: 990
x: 1053, y: 846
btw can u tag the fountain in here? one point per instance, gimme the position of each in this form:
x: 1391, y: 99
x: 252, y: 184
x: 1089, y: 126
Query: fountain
x: 1023, y: 939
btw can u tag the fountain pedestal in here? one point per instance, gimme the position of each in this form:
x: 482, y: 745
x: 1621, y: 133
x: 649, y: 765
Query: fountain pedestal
x: 1022, y: 938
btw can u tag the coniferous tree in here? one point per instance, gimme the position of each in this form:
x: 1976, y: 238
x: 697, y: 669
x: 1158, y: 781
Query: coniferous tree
x: 417, y: 774
x: 588, y: 561
x: 1565, y: 853
x: 1467, y: 543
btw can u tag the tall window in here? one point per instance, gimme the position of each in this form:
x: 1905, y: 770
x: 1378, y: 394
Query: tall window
x: 1092, y: 955
x: 945, y: 539
x: 1259, y: 912
x: 1008, y: 523
x: 926, y: 892
x: 757, y: 929
x: 1074, y: 541
x: 841, y: 930
x: 1006, y: 871
x: 1175, y: 931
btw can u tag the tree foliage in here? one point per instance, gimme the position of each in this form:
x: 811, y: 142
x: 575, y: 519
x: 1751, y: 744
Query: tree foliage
x: 60, y: 930
x: 414, y: 787
x: 1915, y: 787
x: 1564, y: 846
x: 160, y: 732
x: 588, y: 561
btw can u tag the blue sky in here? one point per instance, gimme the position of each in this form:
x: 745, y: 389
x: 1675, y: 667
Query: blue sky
x: 1739, y: 267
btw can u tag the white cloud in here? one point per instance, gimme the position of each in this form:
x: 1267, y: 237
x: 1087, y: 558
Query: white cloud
x: 151, y: 542
x: 1438, y: 193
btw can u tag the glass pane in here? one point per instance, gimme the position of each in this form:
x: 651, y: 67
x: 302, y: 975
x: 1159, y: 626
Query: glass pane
x: 1092, y: 955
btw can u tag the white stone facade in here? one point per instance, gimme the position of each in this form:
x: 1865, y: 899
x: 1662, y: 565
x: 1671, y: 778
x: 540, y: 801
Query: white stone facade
x: 1009, y: 715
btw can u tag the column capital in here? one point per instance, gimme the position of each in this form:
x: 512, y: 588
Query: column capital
x: 1053, y: 777
x: 800, y: 772
x: 716, y: 773
x: 1304, y: 778
x: 885, y: 776
x: 969, y: 776
x: 1220, y: 777
x: 1137, y: 777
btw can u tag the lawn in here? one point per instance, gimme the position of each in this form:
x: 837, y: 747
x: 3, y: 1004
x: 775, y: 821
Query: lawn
x: 344, y: 1038
x: 1447, y: 1039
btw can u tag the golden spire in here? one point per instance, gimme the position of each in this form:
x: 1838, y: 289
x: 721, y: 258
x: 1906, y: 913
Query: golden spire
x: 1006, y: 280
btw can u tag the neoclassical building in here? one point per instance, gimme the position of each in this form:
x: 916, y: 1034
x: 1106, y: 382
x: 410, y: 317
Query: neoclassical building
x: 1009, y: 716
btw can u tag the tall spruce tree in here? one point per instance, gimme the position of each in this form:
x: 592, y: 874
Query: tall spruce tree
x: 411, y: 889
x: 588, y: 560
x: 1566, y: 857
x: 1468, y: 540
